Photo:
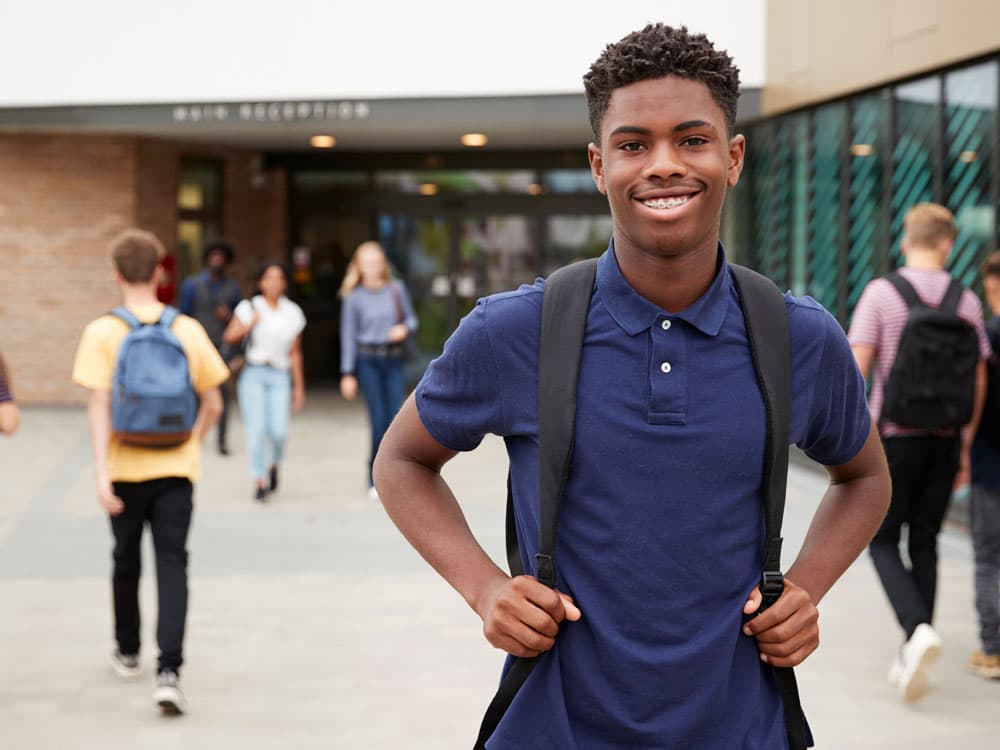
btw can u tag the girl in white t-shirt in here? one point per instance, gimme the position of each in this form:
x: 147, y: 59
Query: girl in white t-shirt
x: 271, y: 384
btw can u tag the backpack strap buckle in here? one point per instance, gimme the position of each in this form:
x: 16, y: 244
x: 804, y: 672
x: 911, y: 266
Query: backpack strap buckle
x: 772, y: 583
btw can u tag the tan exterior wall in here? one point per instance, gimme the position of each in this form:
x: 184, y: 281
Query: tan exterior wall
x: 818, y: 49
x: 62, y: 199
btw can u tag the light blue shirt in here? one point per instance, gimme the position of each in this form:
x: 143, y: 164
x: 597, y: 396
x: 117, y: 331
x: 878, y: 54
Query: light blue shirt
x: 366, y: 317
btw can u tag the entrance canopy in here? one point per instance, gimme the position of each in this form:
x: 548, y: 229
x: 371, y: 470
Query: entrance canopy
x: 512, y: 122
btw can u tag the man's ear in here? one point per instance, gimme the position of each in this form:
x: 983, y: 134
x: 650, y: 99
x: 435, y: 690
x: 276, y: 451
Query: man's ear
x: 597, y: 167
x: 737, y: 152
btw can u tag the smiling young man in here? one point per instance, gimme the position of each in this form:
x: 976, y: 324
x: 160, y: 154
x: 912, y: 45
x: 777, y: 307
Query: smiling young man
x: 646, y: 641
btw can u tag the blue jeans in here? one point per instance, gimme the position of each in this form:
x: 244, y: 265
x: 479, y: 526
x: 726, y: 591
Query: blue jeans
x: 984, y: 519
x: 381, y: 381
x: 266, y: 403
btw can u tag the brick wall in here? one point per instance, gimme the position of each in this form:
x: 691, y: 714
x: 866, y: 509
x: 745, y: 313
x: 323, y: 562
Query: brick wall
x: 62, y: 198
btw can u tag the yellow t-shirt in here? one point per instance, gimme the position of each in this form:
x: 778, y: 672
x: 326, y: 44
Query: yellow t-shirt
x: 95, y: 367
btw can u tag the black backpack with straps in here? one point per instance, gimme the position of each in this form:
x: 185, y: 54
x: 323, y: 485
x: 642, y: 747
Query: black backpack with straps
x: 932, y: 383
x: 565, y: 303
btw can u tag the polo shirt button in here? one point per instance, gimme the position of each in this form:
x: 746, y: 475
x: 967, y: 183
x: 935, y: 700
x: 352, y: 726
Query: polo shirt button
x: 665, y: 325
x: 665, y: 368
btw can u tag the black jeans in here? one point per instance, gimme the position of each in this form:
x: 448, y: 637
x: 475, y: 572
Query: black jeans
x: 922, y: 469
x: 166, y: 505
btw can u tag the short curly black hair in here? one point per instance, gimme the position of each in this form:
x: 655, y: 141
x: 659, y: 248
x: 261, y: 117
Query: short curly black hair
x: 656, y: 51
x: 218, y: 244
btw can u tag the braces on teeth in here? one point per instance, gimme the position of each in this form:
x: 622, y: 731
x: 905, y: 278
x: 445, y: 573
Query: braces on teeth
x: 667, y: 202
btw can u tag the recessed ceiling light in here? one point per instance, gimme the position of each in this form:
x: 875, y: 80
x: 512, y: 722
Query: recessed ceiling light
x: 322, y: 141
x: 967, y: 157
x: 862, y: 149
x: 428, y: 188
x: 474, y: 140
x: 535, y: 189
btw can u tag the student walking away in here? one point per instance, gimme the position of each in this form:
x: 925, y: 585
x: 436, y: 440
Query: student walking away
x: 10, y: 414
x: 984, y: 497
x: 153, y: 376
x: 271, y: 383
x: 637, y: 629
x: 919, y: 335
x: 375, y: 321
x: 210, y: 298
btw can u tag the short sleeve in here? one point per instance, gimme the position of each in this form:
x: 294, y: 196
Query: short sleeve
x: 459, y: 398
x: 838, y: 421
x: 299, y: 319
x: 94, y: 366
x: 865, y: 323
x: 244, y: 311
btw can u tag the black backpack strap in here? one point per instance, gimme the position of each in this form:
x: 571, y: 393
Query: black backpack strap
x: 952, y: 297
x: 767, y: 329
x: 565, y: 304
x: 513, y: 551
x: 949, y: 303
x: 905, y: 289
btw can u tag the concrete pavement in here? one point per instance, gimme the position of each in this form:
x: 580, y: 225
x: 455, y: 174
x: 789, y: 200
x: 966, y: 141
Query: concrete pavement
x: 313, y: 625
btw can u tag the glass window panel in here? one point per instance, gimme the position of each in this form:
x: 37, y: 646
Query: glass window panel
x: 465, y: 181
x: 190, y: 237
x: 420, y: 246
x: 776, y: 248
x: 913, y: 155
x: 199, y: 185
x: 866, y: 213
x: 759, y: 182
x: 572, y: 238
x: 825, y: 167
x: 970, y: 111
x: 798, y: 133
x: 568, y: 181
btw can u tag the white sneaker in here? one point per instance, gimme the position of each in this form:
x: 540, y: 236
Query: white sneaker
x: 168, y: 695
x: 373, y: 494
x: 125, y: 666
x: 919, y: 655
x: 896, y: 670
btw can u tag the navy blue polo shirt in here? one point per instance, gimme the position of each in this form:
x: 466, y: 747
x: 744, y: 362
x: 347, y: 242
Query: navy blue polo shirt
x: 660, y: 535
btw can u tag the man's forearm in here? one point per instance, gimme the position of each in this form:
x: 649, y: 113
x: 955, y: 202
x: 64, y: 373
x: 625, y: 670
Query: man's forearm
x: 99, y: 420
x: 422, y: 506
x: 847, y: 518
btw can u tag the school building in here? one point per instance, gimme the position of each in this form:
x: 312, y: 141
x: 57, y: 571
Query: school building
x: 865, y: 108
x: 869, y: 107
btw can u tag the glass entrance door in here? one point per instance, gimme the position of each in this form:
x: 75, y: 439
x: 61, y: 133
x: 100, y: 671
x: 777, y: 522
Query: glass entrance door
x: 449, y: 261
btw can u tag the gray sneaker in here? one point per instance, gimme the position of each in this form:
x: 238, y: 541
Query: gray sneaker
x: 168, y: 695
x: 126, y: 666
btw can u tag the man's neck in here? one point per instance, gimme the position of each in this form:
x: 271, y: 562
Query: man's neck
x: 924, y: 260
x: 672, y: 283
x: 139, y: 295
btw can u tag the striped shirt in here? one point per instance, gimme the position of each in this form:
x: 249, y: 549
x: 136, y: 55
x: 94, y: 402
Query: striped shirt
x: 881, y: 315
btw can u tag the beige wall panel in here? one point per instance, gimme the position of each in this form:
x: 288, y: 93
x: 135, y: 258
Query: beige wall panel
x: 857, y: 44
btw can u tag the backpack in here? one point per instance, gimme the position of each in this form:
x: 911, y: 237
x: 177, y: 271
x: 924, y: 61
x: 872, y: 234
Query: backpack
x: 565, y: 302
x: 153, y: 402
x: 932, y: 382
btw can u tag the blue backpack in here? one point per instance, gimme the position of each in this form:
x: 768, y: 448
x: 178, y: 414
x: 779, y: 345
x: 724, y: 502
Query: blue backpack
x: 153, y: 402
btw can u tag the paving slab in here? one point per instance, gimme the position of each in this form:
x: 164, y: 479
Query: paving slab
x: 313, y: 624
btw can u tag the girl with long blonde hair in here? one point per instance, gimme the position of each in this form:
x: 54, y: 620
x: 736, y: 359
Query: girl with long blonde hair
x: 376, y: 318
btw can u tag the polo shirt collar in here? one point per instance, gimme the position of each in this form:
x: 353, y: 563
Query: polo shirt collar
x: 636, y: 314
